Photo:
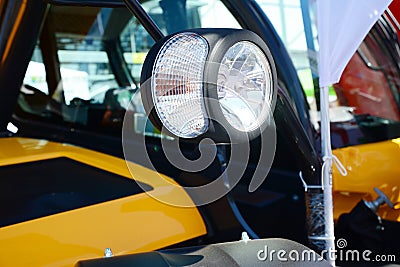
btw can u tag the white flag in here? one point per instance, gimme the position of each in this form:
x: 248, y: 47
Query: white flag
x: 342, y: 25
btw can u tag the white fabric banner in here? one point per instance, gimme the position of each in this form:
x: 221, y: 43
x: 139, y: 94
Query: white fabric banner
x: 342, y: 25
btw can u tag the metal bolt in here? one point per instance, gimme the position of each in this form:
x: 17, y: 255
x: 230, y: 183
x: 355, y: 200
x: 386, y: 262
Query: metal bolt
x: 108, y: 253
x: 245, y: 237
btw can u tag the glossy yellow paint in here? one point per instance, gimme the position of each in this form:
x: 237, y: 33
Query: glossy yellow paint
x: 132, y: 224
x: 368, y: 166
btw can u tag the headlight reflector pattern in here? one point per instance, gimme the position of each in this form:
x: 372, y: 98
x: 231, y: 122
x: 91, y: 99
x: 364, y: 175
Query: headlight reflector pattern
x: 245, y: 86
x: 177, y: 85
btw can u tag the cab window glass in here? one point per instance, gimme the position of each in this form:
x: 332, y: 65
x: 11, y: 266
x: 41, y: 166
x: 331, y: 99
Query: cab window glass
x: 85, y: 70
x: 86, y: 66
x: 34, y: 74
x: 171, y: 16
x: 69, y: 69
x: 287, y: 18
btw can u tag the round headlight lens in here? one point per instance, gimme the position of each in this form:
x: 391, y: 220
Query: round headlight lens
x: 177, y: 87
x: 245, y: 86
x: 210, y: 83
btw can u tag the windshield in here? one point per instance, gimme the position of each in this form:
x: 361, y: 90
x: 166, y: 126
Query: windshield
x: 87, y: 61
x: 171, y: 16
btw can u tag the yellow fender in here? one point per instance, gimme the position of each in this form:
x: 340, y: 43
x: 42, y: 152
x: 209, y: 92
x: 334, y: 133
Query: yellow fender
x: 368, y: 166
x: 135, y: 223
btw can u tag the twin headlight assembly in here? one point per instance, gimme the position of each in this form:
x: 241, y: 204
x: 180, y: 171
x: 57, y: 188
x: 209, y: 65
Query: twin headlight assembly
x: 210, y: 83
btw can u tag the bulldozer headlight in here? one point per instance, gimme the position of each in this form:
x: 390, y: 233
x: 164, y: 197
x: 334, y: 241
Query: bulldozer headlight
x: 216, y: 83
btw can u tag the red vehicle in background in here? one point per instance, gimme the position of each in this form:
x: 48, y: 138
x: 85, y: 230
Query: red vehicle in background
x: 369, y: 83
x: 395, y: 10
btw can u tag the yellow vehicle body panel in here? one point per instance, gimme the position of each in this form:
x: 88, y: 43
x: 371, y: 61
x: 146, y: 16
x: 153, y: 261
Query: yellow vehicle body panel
x: 368, y: 166
x: 135, y: 223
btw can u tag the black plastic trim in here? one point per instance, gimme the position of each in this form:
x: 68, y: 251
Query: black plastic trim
x: 36, y: 189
